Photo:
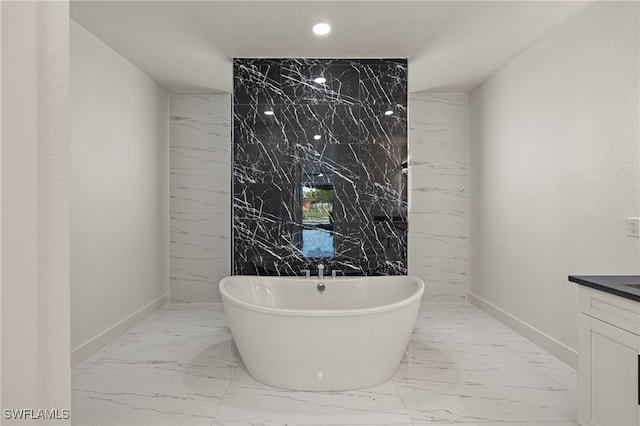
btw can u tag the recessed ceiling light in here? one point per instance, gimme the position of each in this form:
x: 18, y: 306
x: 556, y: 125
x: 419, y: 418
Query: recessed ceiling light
x: 388, y: 112
x: 317, y: 137
x: 321, y: 28
x: 320, y: 80
x: 268, y: 112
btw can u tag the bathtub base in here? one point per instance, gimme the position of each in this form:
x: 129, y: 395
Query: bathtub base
x: 330, y: 358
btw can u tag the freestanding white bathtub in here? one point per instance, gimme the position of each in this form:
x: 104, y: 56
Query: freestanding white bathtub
x: 352, y: 335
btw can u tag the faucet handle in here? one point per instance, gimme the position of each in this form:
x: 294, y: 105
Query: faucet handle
x: 307, y: 272
x: 334, y: 273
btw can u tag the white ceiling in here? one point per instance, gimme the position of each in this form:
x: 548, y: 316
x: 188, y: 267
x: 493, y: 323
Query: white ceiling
x: 187, y: 46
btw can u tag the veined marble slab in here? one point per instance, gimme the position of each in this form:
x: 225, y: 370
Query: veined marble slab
x: 200, y: 195
x: 438, y: 212
x: 347, y: 132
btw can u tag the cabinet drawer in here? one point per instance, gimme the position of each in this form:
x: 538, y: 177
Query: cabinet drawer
x: 617, y: 311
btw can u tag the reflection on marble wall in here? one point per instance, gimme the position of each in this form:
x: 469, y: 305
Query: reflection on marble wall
x: 438, y: 193
x: 347, y: 130
x: 200, y: 197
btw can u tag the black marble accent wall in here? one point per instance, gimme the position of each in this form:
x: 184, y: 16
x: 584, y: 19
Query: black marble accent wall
x: 319, y: 166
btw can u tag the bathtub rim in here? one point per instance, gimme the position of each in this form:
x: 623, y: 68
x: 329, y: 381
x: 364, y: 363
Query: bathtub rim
x: 415, y: 296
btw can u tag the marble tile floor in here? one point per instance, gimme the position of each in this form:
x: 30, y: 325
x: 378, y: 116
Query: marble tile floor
x: 179, y: 367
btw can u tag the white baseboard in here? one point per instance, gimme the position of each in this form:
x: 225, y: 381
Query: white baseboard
x: 559, y: 350
x: 92, y: 346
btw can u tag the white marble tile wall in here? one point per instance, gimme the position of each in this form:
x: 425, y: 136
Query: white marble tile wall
x: 438, y: 193
x: 200, y: 195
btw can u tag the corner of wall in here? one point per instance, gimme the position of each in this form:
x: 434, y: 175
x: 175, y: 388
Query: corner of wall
x: 119, y: 193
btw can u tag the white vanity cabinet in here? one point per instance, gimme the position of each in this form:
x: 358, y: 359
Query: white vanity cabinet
x: 608, y: 359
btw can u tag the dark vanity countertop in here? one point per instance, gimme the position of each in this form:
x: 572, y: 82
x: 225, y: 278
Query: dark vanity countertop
x: 614, y: 284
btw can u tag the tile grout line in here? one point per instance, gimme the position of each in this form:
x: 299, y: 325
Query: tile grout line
x: 224, y: 397
x: 395, y: 386
x: 527, y: 359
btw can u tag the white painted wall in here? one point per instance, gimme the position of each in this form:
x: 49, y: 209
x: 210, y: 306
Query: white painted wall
x: 200, y: 192
x: 438, y: 224
x: 119, y: 194
x: 34, y: 200
x: 554, y: 162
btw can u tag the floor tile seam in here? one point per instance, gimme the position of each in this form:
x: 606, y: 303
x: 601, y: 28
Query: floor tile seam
x: 460, y: 365
x: 494, y: 422
x: 125, y: 421
x: 155, y: 366
x: 479, y: 397
x: 554, y: 380
x: 161, y: 349
x: 406, y: 411
x: 172, y: 340
x: 450, y: 338
x: 226, y: 394
x: 87, y: 362
x: 81, y: 371
x: 511, y: 423
x: 213, y: 330
x: 157, y: 315
x: 288, y: 394
x: 524, y: 355
x: 494, y: 332
x: 514, y: 350
x: 248, y: 423
x: 192, y: 306
x: 144, y: 400
x: 109, y: 358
